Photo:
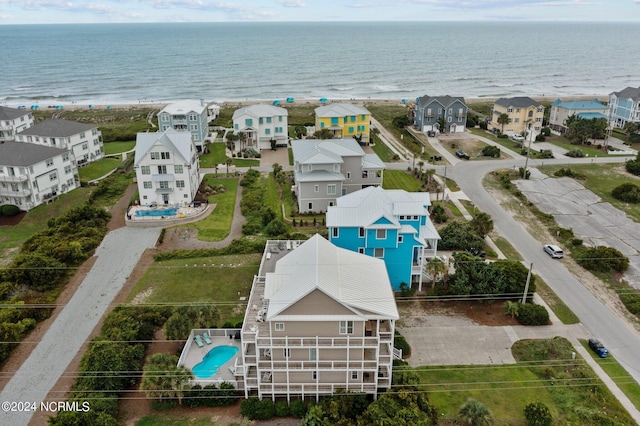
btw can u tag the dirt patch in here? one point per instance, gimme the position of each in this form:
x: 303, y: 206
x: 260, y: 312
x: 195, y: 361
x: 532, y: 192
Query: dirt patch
x: 416, y: 312
x: 12, y: 220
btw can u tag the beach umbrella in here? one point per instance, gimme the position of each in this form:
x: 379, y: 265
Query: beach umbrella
x: 404, y: 101
x: 276, y: 102
x: 109, y: 107
x: 35, y: 106
x: 90, y: 106
x: 291, y: 99
x: 323, y: 100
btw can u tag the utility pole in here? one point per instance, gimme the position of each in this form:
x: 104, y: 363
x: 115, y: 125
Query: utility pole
x: 444, y: 184
x: 526, y: 161
x: 526, y: 286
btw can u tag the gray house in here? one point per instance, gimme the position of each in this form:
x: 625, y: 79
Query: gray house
x: 429, y: 109
x: 327, y: 169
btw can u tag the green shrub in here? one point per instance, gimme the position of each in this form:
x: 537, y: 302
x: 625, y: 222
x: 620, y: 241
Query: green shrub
x: 630, y: 298
x: 537, y: 414
x: 569, y: 173
x: 503, y: 136
x: 633, y: 166
x: 399, y: 342
x: 541, y: 138
x: 459, y: 236
x: 9, y: 210
x: 298, y: 408
x: 627, y: 192
x: 491, y: 151
x: 282, y: 409
x: 546, y: 153
x: 575, y: 153
x: 529, y: 314
x: 256, y: 409
x: 602, y: 259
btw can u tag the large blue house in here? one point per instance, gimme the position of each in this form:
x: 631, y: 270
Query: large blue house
x: 392, y: 225
x: 624, y: 106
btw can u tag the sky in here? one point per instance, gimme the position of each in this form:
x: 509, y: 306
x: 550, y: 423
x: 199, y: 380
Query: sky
x: 115, y: 11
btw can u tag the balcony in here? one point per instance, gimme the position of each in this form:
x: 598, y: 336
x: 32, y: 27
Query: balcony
x: 164, y: 190
x: 335, y: 342
x: 14, y: 178
x: 318, y: 365
x: 22, y: 192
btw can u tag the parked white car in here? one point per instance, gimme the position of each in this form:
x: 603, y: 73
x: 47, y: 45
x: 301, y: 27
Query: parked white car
x: 518, y: 138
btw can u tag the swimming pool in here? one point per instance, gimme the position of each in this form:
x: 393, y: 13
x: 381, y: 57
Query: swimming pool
x: 171, y: 211
x: 213, y: 360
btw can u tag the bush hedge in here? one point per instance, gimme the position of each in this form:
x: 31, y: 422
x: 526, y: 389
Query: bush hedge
x: 9, y: 210
x: 627, y: 192
x: 602, y: 259
x: 529, y: 314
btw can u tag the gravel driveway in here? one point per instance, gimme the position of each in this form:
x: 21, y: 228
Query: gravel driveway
x: 117, y: 256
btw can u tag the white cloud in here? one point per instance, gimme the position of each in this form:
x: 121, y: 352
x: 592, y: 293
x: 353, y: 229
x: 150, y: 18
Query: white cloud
x: 292, y: 3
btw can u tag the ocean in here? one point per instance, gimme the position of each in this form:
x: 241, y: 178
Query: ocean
x: 140, y: 63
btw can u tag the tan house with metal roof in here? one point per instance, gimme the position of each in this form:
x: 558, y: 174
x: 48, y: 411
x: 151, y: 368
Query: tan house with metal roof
x: 522, y: 111
x: 320, y: 318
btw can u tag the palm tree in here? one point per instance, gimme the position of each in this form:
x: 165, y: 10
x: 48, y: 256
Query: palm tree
x: 630, y: 128
x: 474, y: 413
x: 503, y: 119
x: 435, y: 267
x: 162, y: 378
x: 228, y: 163
x: 482, y: 224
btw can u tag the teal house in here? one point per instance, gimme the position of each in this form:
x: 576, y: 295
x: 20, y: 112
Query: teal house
x: 624, y: 106
x: 392, y: 225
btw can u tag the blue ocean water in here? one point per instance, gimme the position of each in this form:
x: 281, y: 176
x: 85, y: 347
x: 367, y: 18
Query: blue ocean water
x: 130, y: 63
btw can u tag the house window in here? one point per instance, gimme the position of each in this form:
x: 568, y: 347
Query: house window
x: 267, y: 131
x: 280, y: 118
x: 450, y: 111
x: 65, y: 156
x: 439, y: 111
x: 193, y: 117
x: 361, y: 232
x: 155, y: 155
x: 348, y: 175
x: 179, y: 184
x: 365, y: 174
x: 177, y: 168
x: 378, y: 252
x: 312, y: 354
x: 401, y: 217
x: 350, y: 129
x: 449, y: 119
x: 162, y: 170
x: 165, y: 117
x: 309, y: 167
x: 163, y: 184
x: 415, y: 217
x: 147, y: 184
x: 194, y: 127
x: 516, y: 120
x: 248, y: 122
x: 85, y: 147
x: 459, y: 119
x: 279, y: 326
x: 530, y: 115
x: 346, y: 327
x: 286, y: 352
x: 334, y: 120
x: 353, y: 118
x: 400, y: 239
x: 322, y: 125
x: 331, y: 190
x: 268, y: 119
x: 53, y: 141
x: 316, y: 188
x: 334, y: 232
x: 381, y: 234
x: 363, y: 117
x: 361, y: 250
x: 345, y: 119
x: 428, y: 111
x: 310, y: 206
x: 540, y: 109
x: 49, y: 162
x: 354, y: 375
x: 378, y: 173
x: 53, y: 176
x: 260, y: 120
x: 165, y: 155
x: 538, y: 119
x: 145, y: 170
x: 517, y: 110
x: 336, y: 168
x: 509, y: 109
x: 460, y: 111
x: 67, y: 169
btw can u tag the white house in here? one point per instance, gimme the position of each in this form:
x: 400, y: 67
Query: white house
x: 187, y: 116
x: 83, y: 140
x: 261, y: 124
x: 167, y: 167
x: 12, y: 121
x: 31, y: 174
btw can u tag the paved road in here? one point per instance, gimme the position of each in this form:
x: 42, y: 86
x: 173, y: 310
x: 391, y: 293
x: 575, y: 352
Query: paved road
x: 622, y: 341
x: 117, y: 256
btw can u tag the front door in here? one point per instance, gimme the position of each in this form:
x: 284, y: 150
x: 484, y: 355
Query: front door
x: 165, y: 198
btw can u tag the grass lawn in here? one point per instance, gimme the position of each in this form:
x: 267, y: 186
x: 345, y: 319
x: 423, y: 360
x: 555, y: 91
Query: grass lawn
x: 602, y: 180
x: 381, y: 149
x: 399, y: 179
x: 556, y: 304
x: 216, y: 279
x: 618, y: 374
x: 588, y: 150
x: 168, y: 420
x: 98, y: 168
x: 290, y: 155
x: 506, y: 248
x: 117, y: 147
x: 544, y: 373
x: 217, y: 225
x: 12, y: 237
x: 217, y: 155
x: 273, y: 199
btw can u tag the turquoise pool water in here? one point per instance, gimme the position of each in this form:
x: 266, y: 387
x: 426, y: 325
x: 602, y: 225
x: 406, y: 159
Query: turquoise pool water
x: 172, y: 211
x: 213, y: 360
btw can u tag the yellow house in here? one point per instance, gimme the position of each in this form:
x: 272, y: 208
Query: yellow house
x: 344, y: 120
x: 522, y: 111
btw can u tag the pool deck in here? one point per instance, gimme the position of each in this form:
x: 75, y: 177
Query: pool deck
x: 185, y: 214
x: 193, y: 355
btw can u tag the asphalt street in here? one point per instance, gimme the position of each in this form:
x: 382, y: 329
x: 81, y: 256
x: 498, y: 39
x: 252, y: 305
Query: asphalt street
x: 117, y: 256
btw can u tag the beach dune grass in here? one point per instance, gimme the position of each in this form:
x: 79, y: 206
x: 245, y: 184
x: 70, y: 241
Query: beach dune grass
x: 98, y: 168
x: 216, y: 279
x: 217, y: 225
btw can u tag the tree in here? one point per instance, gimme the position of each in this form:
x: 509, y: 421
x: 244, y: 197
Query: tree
x: 315, y: 417
x: 162, y: 378
x: 442, y: 124
x: 277, y: 168
x: 630, y: 128
x: 323, y: 134
x: 420, y: 164
x: 228, y: 163
x: 515, y: 275
x: 406, y: 405
x: 537, y: 414
x: 275, y: 227
x: 474, y: 413
x: 435, y: 267
x: 300, y: 131
x: 109, y: 364
x: 502, y: 120
x: 36, y: 271
x: 482, y: 224
x: 459, y: 235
